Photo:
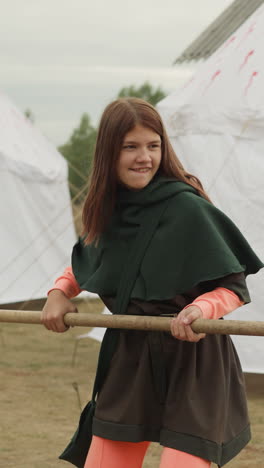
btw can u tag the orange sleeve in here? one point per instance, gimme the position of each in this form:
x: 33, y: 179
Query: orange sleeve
x: 67, y: 284
x: 217, y: 303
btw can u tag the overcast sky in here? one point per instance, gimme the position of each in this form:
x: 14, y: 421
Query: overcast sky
x: 61, y: 58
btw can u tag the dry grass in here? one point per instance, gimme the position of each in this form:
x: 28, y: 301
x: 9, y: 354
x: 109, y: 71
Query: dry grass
x: 39, y: 402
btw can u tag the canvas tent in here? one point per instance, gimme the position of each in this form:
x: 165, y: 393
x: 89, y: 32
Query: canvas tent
x: 221, y: 29
x: 216, y: 125
x: 37, y: 231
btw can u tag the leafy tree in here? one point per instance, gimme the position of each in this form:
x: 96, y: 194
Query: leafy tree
x: 145, y: 91
x: 29, y: 115
x: 79, y: 152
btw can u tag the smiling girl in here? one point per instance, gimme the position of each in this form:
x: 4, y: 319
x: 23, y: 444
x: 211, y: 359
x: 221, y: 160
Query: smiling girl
x: 154, y: 244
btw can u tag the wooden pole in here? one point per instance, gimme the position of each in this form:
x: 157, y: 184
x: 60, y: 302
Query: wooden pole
x: 138, y: 322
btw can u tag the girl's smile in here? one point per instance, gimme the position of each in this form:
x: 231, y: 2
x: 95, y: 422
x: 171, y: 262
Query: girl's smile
x: 139, y: 158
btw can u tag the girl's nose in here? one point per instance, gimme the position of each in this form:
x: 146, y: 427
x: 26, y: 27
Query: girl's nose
x: 143, y: 154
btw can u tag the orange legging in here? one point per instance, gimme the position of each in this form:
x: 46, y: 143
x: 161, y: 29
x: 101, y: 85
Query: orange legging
x: 105, y: 453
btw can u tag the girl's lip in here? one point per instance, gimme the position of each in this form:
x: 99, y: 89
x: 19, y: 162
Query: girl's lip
x: 139, y: 169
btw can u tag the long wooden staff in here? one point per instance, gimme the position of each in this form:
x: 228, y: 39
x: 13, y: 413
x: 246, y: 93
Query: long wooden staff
x: 138, y: 322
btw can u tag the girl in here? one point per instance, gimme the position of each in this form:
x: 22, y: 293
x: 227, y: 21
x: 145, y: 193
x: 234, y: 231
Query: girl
x: 154, y: 244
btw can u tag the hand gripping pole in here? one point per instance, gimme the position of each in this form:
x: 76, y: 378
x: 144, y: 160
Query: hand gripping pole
x: 138, y: 322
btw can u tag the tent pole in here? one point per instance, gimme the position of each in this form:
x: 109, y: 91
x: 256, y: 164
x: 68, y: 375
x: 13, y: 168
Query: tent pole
x: 138, y: 322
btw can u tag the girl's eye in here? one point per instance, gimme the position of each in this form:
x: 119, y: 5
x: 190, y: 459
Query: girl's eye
x: 153, y: 146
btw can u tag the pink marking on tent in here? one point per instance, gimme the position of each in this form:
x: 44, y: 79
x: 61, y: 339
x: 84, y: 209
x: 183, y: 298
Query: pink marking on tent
x: 225, y: 45
x: 214, y: 76
x: 250, y: 53
x: 248, y: 32
x: 251, y: 80
x: 220, y: 53
x: 232, y: 39
x: 188, y: 82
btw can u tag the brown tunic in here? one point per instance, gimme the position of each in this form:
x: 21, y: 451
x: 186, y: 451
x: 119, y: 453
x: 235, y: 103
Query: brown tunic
x: 187, y: 396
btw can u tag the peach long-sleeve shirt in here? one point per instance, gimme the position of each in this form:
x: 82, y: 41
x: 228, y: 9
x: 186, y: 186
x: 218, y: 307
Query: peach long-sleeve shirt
x: 213, y: 304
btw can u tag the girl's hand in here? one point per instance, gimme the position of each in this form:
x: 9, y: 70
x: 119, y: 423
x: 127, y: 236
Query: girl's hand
x: 56, y: 306
x: 180, y: 325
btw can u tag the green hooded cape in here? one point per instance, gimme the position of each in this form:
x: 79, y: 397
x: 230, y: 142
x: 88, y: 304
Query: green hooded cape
x: 194, y: 242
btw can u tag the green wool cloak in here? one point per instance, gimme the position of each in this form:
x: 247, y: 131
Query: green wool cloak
x: 194, y: 242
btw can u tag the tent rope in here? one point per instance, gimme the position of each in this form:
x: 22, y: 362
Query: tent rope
x: 61, y: 232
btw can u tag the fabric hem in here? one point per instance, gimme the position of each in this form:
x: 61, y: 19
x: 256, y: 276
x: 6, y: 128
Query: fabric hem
x: 219, y: 454
x: 125, y: 432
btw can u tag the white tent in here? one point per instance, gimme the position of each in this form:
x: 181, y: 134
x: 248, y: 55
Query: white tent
x: 216, y: 125
x: 37, y: 232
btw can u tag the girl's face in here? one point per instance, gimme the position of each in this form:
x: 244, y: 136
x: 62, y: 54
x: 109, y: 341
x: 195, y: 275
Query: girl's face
x: 139, y: 158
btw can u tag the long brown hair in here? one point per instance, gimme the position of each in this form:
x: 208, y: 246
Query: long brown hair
x: 117, y: 120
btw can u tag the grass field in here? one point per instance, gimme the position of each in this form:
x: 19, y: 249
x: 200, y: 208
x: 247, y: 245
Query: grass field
x: 41, y: 392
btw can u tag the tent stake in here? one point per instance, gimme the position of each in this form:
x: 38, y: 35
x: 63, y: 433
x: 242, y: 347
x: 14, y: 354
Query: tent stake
x: 138, y: 322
